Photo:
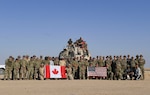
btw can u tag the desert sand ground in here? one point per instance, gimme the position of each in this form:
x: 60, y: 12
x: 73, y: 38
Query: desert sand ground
x: 76, y: 87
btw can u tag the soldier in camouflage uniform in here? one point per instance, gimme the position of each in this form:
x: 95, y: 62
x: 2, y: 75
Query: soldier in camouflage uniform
x: 16, y: 68
x: 31, y: 68
x: 141, y: 65
x: 23, y: 70
x: 41, y: 71
x: 113, y: 66
x: 124, y: 66
x: 132, y: 65
x: 128, y: 60
x: 37, y: 64
x: 107, y: 61
x: 118, y: 74
x: 46, y: 61
x: 69, y: 72
x: 56, y: 61
x: 137, y: 60
x: 101, y: 62
x: 109, y: 72
x: 75, y: 68
x: 91, y: 61
x: 8, y: 68
x: 109, y: 68
x: 82, y: 69
x: 94, y: 61
x: 86, y: 66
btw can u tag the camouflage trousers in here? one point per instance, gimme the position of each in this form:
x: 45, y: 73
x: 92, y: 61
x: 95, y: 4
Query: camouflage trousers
x: 30, y: 73
x: 36, y: 73
x: 75, y: 72
x: 82, y: 74
x: 118, y: 74
x: 142, y: 70
x: 70, y: 77
x: 110, y: 75
x: 23, y: 72
x: 16, y: 73
x: 8, y: 74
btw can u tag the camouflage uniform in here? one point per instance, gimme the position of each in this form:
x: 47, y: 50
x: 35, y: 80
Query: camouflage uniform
x: 16, y: 68
x: 69, y: 72
x: 118, y: 74
x: 36, y: 68
x: 109, y: 69
x: 132, y: 66
x: 31, y: 69
x: 46, y: 61
x: 124, y: 67
x: 141, y: 65
x: 56, y: 61
x: 41, y: 72
x: 82, y: 69
x: 101, y: 62
x: 75, y: 66
x: 8, y: 69
x: 113, y: 66
x: 23, y: 70
x: 109, y: 72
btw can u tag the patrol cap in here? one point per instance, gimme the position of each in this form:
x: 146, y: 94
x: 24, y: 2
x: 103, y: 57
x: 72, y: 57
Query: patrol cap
x: 141, y: 55
x: 10, y: 57
x: 34, y: 56
x: 19, y: 56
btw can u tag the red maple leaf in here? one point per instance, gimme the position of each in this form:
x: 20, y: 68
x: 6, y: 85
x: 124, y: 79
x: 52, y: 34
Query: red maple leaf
x: 55, y: 71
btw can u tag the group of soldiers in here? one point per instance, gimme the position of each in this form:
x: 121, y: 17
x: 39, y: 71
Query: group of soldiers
x: 32, y: 68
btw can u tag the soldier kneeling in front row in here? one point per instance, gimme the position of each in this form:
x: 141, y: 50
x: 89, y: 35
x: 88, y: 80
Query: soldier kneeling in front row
x: 41, y: 72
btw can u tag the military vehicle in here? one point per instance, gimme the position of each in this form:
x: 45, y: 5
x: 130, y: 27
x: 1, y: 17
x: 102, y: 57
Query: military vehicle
x: 2, y: 69
x: 75, y: 49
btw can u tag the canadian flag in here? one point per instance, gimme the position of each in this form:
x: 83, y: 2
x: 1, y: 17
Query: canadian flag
x: 55, y: 72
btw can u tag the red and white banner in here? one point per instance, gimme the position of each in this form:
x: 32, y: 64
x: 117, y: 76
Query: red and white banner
x: 55, y: 72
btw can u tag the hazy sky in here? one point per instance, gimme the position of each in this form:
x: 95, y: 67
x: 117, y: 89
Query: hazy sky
x: 43, y: 27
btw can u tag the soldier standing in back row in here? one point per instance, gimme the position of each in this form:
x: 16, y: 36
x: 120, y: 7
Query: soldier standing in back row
x: 16, y: 67
x: 133, y: 64
x: 128, y: 60
x: 113, y: 66
x: 82, y: 69
x: 8, y: 68
x: 118, y: 74
x: 31, y: 68
x: 124, y: 67
x: 141, y: 65
x: 36, y: 68
x: 101, y: 62
x: 109, y: 69
x: 75, y: 66
x: 23, y: 66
